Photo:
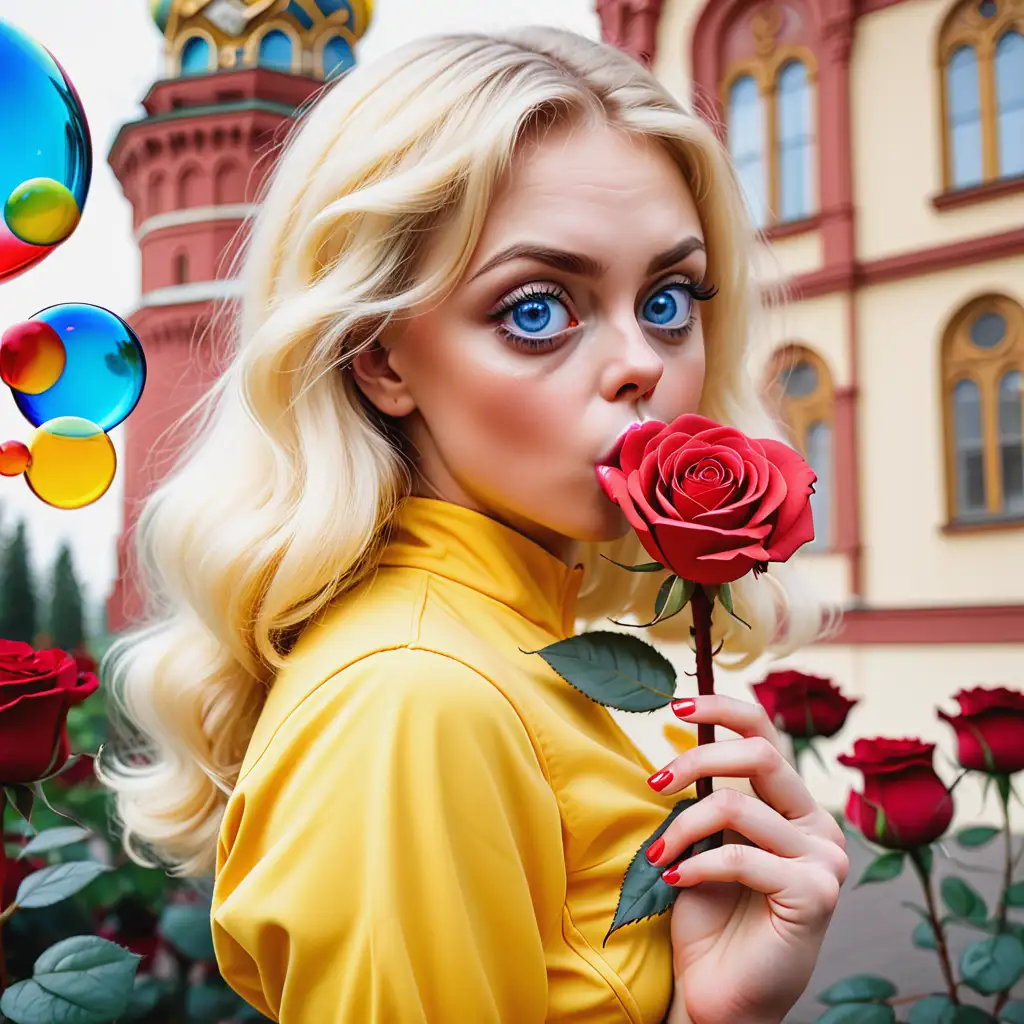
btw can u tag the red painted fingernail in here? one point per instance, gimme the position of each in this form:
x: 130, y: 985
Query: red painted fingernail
x: 655, y: 850
x: 684, y: 707
x: 660, y: 779
x: 671, y: 876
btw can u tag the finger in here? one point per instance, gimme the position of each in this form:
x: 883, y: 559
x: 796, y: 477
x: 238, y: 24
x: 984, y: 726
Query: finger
x: 790, y: 881
x: 744, y: 717
x: 731, y: 809
x: 772, y: 777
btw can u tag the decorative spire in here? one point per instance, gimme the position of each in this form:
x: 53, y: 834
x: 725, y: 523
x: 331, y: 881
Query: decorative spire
x: 632, y: 26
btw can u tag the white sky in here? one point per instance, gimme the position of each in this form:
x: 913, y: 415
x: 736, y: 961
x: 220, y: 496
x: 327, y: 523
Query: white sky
x: 112, y: 52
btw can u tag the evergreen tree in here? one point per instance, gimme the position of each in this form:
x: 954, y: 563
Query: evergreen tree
x: 17, y: 590
x: 66, y: 614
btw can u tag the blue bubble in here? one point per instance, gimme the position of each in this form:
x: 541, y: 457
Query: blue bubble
x: 104, y: 372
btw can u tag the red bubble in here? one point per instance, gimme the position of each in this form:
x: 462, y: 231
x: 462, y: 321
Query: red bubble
x: 14, y: 458
x: 32, y: 357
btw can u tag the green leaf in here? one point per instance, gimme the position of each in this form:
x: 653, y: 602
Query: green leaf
x: 642, y: 567
x: 858, y: 988
x: 209, y: 1004
x: 80, y: 980
x: 977, y: 836
x: 924, y: 857
x: 963, y: 900
x: 145, y: 997
x: 1012, y: 1013
x: 924, y: 936
x: 993, y: 964
x: 931, y: 1010
x: 724, y: 594
x: 882, y: 868
x: 858, y: 1013
x: 614, y: 669
x: 644, y: 893
x: 672, y: 598
x: 186, y: 926
x: 21, y: 798
x: 1005, y: 788
x: 51, y: 885
x: 1015, y: 895
x: 54, y: 839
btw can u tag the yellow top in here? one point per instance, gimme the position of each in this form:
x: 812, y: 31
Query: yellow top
x: 430, y: 825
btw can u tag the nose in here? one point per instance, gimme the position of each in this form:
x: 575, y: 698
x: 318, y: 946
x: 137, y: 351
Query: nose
x: 633, y: 368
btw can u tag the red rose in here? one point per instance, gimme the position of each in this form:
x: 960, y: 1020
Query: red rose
x: 994, y: 719
x: 900, y: 782
x: 803, y: 706
x: 37, y: 688
x: 708, y: 502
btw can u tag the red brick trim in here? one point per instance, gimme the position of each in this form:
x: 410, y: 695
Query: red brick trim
x: 955, y: 624
x: 787, y: 229
x: 978, y: 194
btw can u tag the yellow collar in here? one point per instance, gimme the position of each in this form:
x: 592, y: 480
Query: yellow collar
x: 470, y: 548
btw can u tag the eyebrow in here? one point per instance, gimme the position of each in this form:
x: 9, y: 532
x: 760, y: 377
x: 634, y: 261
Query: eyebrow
x: 581, y: 264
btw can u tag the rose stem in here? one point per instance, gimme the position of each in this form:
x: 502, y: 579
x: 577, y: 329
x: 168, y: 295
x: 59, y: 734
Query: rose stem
x: 940, y: 935
x: 700, y: 605
x: 1004, y: 793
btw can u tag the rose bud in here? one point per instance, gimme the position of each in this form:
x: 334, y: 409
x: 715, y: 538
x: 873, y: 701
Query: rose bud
x: 803, y: 706
x: 989, y: 729
x: 899, y: 781
x: 707, y: 502
x: 37, y: 689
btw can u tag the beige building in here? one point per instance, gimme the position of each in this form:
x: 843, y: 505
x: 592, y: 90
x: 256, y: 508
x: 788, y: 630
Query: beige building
x: 881, y: 146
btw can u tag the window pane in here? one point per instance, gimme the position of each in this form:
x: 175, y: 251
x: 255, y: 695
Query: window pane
x: 819, y: 458
x: 195, y: 57
x: 337, y: 57
x: 1010, y: 103
x: 276, y: 51
x: 1011, y: 442
x: 970, y: 461
x: 796, y: 142
x: 988, y: 330
x: 801, y: 380
x: 964, y: 117
x: 746, y: 145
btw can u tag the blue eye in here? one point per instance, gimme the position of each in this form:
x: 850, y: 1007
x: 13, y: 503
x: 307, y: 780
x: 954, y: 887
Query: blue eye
x: 539, y: 316
x: 669, y: 308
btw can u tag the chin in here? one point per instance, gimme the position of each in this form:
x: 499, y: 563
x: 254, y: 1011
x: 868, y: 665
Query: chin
x: 605, y: 524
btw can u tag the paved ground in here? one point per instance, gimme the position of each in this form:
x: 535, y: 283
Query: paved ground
x: 870, y: 932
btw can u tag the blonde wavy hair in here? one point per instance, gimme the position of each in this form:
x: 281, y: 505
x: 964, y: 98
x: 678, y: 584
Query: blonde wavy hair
x: 283, y: 497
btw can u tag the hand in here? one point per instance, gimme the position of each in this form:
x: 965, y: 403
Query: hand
x: 750, y: 919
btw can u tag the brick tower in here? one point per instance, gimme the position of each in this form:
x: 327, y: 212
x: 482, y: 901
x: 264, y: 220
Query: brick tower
x: 235, y: 73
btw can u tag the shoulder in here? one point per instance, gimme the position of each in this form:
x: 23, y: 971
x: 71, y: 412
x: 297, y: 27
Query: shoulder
x: 399, y: 692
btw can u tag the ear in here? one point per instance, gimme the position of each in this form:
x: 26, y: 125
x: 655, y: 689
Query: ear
x: 380, y: 383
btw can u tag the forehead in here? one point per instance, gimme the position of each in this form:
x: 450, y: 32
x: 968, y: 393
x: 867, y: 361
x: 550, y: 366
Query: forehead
x: 592, y: 185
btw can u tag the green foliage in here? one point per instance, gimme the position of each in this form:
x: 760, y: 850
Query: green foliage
x: 1012, y: 1013
x: 82, y: 980
x: 882, y: 868
x: 187, y: 927
x: 614, y: 669
x: 858, y: 988
x: 978, y: 836
x: 1015, y: 895
x: 993, y: 964
x: 66, y: 619
x: 963, y: 900
x: 858, y: 1013
x: 18, y: 611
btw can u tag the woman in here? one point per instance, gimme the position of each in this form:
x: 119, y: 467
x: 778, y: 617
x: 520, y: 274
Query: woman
x: 479, y: 261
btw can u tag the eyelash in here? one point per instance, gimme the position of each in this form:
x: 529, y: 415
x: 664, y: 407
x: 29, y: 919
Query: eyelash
x: 523, y: 293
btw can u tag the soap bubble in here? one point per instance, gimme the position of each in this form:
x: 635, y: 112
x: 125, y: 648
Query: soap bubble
x: 104, y: 371
x: 32, y: 357
x: 45, y: 156
x: 14, y: 458
x: 72, y: 462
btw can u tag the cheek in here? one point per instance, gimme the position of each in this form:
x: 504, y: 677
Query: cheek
x: 680, y: 387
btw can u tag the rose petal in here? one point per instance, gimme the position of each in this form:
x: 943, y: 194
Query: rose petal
x: 794, y: 524
x: 615, y: 485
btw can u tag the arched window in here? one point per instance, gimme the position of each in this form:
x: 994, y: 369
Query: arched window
x: 770, y: 125
x: 276, y: 51
x: 801, y: 391
x: 981, y: 53
x: 228, y: 184
x: 337, y: 57
x: 181, y: 268
x: 196, y: 56
x: 155, y: 194
x: 189, y: 188
x: 983, y: 362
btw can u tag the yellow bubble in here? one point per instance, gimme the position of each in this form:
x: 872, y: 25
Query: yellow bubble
x: 73, y: 462
x: 41, y: 211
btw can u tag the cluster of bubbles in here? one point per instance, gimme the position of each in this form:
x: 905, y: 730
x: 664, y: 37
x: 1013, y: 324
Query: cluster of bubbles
x: 75, y: 370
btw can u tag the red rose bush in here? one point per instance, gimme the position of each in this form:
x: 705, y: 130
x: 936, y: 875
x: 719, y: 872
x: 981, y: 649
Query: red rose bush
x: 88, y: 977
x: 710, y: 505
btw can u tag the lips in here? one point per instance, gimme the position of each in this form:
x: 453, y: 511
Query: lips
x: 612, y: 458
